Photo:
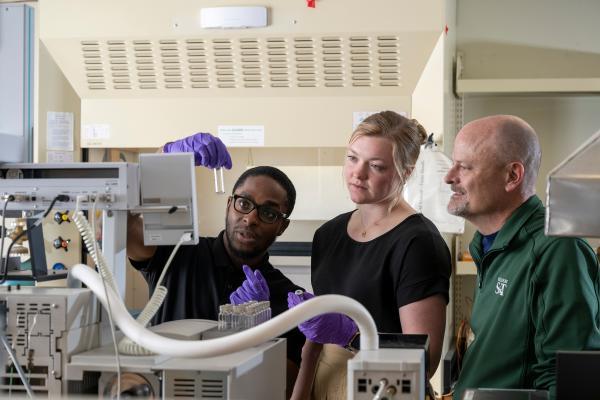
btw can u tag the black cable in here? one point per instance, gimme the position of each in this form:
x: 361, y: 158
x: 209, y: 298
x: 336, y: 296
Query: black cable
x: 5, y: 275
x: 6, y: 201
x: 84, y: 250
x: 60, y: 197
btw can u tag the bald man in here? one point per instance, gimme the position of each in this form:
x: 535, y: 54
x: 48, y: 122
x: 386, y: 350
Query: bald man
x: 535, y: 294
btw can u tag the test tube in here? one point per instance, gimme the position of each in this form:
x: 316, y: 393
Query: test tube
x: 248, y: 316
x: 245, y: 320
x: 252, y: 310
x: 234, y: 316
x: 220, y: 318
x: 224, y: 317
x: 263, y: 312
x: 218, y: 189
x: 266, y: 311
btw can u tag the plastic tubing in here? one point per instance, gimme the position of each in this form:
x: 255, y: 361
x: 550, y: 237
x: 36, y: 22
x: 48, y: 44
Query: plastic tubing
x: 236, y: 342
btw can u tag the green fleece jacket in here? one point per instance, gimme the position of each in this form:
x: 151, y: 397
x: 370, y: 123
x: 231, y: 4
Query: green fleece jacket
x: 535, y: 295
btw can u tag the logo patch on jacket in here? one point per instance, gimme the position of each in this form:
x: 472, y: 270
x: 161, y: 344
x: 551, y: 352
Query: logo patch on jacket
x: 501, y: 285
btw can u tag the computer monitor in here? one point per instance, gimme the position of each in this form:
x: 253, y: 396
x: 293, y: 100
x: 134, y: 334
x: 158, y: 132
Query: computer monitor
x: 577, y: 374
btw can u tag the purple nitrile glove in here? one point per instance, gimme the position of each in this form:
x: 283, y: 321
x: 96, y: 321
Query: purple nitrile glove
x: 325, y: 328
x: 253, y: 288
x: 209, y: 151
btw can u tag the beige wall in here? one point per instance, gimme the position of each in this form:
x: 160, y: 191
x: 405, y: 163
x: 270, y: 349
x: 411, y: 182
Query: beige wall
x: 529, y: 39
x: 52, y: 92
x: 428, y: 96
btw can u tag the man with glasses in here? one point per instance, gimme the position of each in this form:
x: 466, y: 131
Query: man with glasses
x: 211, y: 273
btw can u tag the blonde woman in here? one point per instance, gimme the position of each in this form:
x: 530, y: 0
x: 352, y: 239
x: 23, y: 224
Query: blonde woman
x: 384, y: 254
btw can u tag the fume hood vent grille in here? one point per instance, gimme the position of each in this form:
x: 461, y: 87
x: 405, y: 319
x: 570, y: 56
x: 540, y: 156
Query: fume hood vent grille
x: 145, y: 69
x: 243, y: 63
x: 250, y: 63
x: 361, y: 61
x: 170, y: 63
x: 278, y: 62
x: 306, y: 62
x: 224, y: 63
x: 388, y: 61
x: 332, y: 55
x: 92, y: 62
x: 119, y: 64
x: 197, y: 58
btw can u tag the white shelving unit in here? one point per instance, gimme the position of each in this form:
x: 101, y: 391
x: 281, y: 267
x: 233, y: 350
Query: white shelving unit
x: 466, y: 268
x: 528, y: 86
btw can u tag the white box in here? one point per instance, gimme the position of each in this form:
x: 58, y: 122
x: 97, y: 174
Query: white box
x: 233, y: 17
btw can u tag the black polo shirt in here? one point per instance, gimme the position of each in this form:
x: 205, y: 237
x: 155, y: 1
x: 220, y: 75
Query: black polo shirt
x: 202, y: 277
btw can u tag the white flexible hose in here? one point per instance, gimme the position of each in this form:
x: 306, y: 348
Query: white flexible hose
x: 236, y: 342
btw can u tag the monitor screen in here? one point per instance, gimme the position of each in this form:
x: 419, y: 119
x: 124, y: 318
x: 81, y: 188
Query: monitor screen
x: 577, y: 374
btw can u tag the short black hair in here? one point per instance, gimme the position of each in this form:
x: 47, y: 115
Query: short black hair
x: 278, y: 176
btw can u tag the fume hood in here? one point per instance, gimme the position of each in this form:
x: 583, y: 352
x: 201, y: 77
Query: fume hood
x: 573, y: 193
x: 148, y: 72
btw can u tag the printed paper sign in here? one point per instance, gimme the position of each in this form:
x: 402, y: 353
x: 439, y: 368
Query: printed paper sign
x: 242, y: 135
x: 59, y: 156
x: 96, y: 132
x: 59, y: 131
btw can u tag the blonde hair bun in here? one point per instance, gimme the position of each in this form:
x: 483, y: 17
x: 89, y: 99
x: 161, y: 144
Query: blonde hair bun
x: 420, y: 132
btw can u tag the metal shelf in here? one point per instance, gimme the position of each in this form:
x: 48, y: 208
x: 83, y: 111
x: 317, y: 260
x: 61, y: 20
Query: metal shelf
x: 466, y: 268
x: 528, y: 86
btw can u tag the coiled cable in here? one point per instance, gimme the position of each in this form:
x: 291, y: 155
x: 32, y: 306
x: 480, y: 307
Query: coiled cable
x: 126, y: 345
x: 88, y: 236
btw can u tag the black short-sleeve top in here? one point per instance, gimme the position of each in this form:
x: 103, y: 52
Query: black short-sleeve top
x: 408, y: 263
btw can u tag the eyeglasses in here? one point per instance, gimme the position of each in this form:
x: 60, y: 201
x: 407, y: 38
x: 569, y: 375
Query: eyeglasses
x: 266, y: 214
